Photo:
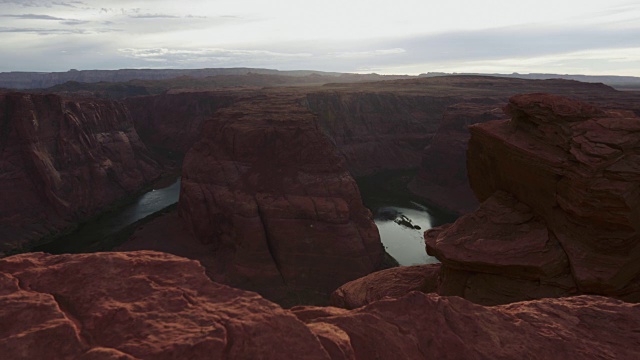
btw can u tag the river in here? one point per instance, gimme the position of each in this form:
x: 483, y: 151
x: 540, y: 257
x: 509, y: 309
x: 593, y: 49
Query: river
x: 400, y: 217
x: 401, y: 221
x: 100, y: 234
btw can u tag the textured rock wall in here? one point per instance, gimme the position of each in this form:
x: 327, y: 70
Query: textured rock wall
x: 64, y: 160
x: 378, y: 131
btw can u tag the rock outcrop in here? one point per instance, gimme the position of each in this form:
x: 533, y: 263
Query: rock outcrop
x: 394, y: 283
x: 150, y: 305
x: 268, y: 189
x: 560, y: 185
x: 64, y: 160
x: 442, y: 176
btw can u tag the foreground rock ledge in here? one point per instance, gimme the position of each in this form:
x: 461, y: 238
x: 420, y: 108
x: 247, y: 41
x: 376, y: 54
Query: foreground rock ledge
x: 560, y: 213
x: 151, y: 305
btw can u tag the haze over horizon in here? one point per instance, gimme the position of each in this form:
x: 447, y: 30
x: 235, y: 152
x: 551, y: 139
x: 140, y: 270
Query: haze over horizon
x: 401, y: 37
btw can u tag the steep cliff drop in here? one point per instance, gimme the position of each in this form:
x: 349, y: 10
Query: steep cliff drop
x: 64, y: 160
x: 267, y: 189
x: 442, y: 176
x: 150, y: 305
x: 560, y: 185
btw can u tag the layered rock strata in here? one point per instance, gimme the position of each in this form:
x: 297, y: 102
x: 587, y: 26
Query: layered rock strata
x: 269, y: 191
x: 561, y: 206
x: 64, y: 160
x: 150, y: 305
x: 378, y: 131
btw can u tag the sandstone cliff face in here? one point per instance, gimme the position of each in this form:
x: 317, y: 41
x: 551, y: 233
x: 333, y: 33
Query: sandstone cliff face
x: 173, y: 122
x: 378, y: 131
x: 267, y: 188
x: 442, y: 176
x: 150, y: 305
x: 561, y: 212
x: 64, y: 161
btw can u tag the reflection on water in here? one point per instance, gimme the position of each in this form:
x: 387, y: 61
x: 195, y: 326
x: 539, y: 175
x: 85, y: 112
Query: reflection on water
x: 89, y: 235
x: 405, y: 243
x: 401, y: 220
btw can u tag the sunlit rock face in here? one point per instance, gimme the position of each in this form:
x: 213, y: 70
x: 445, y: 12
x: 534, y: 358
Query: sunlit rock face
x: 560, y: 183
x: 64, y: 160
x: 151, y: 305
x: 269, y: 190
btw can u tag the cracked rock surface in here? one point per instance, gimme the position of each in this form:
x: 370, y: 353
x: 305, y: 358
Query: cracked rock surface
x: 151, y: 305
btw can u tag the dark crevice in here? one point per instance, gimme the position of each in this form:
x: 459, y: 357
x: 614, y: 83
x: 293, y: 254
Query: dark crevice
x: 70, y: 313
x: 270, y: 246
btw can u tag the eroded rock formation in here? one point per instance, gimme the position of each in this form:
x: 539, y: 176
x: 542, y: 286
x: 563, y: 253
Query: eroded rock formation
x: 150, y: 305
x: 64, y: 160
x: 268, y: 189
x: 560, y: 183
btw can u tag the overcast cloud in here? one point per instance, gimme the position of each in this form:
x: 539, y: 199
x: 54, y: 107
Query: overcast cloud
x: 403, y: 36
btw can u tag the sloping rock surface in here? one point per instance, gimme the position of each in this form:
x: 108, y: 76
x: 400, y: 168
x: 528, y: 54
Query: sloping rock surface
x: 427, y: 326
x: 150, y: 305
x: 62, y: 161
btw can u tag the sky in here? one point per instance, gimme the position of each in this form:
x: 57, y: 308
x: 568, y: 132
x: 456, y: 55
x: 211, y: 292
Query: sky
x: 385, y: 37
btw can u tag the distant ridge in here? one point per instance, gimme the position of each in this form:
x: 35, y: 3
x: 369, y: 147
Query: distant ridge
x: 615, y: 81
x: 41, y: 80
x: 38, y: 80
